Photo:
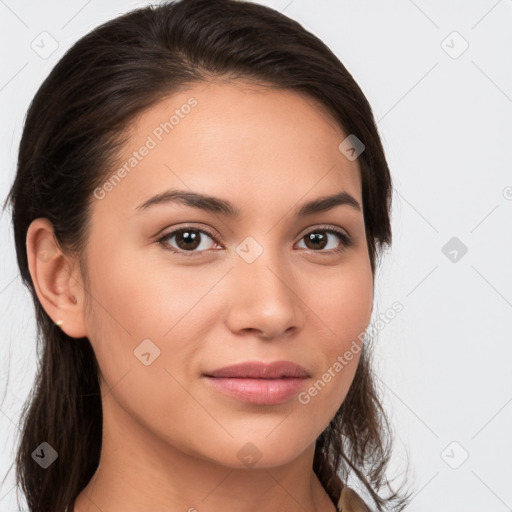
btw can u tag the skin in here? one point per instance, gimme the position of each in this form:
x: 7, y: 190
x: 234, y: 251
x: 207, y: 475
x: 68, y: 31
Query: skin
x: 170, y: 442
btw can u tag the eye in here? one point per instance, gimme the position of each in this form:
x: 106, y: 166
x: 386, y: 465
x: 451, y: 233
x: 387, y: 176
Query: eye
x: 318, y: 239
x: 188, y: 239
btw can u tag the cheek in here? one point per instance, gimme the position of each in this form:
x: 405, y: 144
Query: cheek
x: 136, y: 299
x: 138, y: 293
x: 341, y: 308
x: 145, y: 328
x: 342, y: 301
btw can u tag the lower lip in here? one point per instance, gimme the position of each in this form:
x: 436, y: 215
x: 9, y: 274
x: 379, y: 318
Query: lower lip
x: 258, y: 391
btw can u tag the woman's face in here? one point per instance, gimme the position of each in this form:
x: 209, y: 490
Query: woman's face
x: 230, y: 289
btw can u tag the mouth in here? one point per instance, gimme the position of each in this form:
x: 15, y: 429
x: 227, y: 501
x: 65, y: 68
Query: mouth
x: 259, y: 383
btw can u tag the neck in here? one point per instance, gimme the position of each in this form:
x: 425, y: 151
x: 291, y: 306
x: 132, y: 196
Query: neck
x: 140, y: 471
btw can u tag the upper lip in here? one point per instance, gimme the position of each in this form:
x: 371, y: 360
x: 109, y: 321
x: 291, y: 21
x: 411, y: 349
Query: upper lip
x: 260, y: 370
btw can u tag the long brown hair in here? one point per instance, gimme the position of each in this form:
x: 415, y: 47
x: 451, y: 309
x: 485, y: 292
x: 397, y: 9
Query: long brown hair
x: 74, y: 127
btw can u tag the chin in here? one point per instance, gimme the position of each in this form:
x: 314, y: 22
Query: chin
x: 261, y: 450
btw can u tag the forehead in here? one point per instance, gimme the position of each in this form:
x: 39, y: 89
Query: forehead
x: 233, y: 140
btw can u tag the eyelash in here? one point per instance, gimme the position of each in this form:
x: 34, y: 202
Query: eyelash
x: 345, y: 239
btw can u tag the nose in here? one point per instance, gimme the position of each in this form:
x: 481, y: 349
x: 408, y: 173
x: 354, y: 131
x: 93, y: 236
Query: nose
x: 264, y: 298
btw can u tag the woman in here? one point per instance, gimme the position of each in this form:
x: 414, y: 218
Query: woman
x: 232, y: 374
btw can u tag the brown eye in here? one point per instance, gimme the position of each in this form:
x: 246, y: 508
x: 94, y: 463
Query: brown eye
x: 318, y: 240
x: 190, y: 241
x: 186, y: 240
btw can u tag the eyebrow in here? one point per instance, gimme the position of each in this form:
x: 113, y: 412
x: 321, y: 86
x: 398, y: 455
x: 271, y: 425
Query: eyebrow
x: 223, y: 207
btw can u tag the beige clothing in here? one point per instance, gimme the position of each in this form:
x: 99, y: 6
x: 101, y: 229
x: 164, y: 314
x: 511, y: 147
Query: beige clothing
x: 350, y: 501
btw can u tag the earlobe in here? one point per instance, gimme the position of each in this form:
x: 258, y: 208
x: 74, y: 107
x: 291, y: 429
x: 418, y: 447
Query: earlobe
x: 56, y: 287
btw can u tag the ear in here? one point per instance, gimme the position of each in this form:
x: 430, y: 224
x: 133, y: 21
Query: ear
x: 57, y: 282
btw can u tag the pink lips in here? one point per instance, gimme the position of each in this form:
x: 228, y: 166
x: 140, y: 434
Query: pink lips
x: 259, y: 383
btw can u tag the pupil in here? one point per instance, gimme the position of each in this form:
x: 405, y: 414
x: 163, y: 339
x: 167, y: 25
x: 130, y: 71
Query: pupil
x: 190, y: 238
x: 317, y: 237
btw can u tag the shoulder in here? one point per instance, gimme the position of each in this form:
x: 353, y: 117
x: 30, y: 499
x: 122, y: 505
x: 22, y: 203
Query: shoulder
x: 350, y: 501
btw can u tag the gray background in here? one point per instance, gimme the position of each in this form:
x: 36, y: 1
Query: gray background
x: 443, y: 112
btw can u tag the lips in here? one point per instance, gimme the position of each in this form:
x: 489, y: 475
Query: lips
x: 259, y: 383
x: 258, y: 370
